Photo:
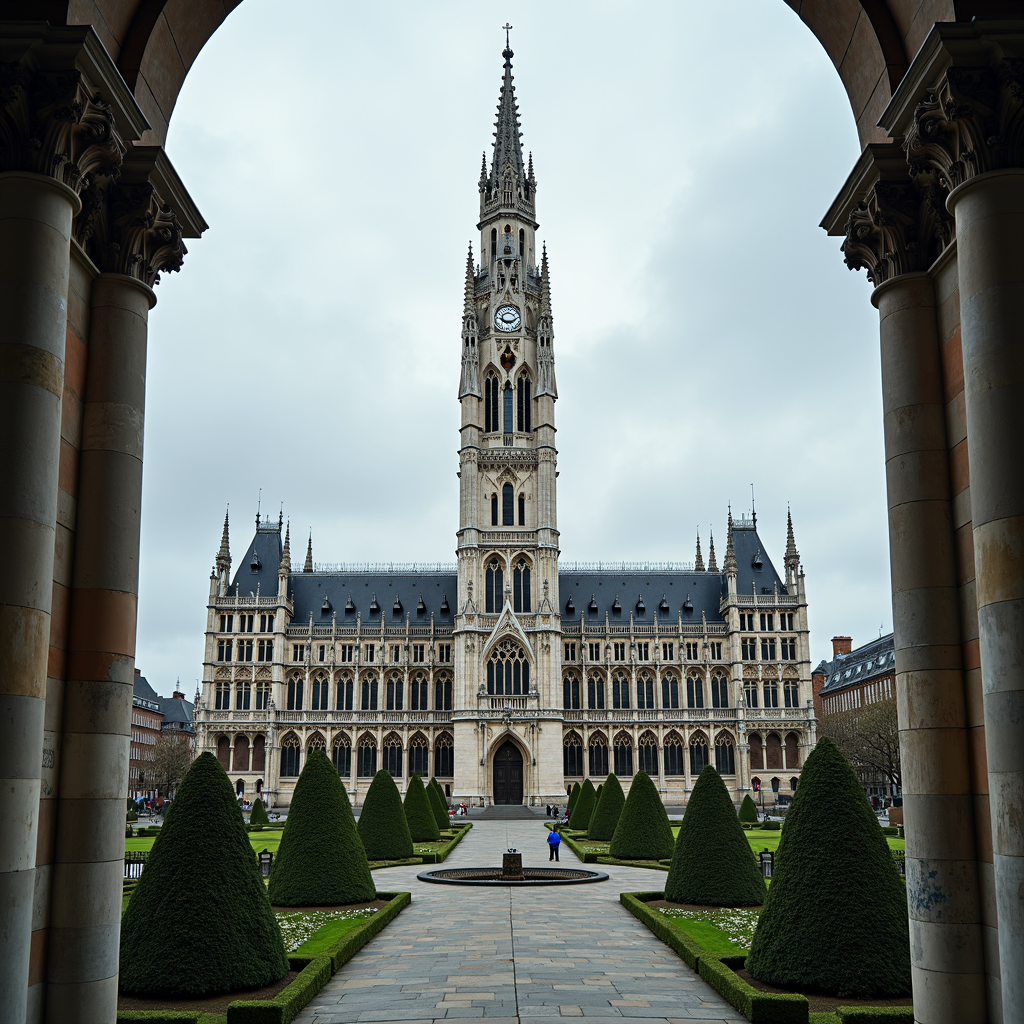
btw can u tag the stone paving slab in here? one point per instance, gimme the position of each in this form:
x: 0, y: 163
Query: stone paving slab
x: 512, y: 956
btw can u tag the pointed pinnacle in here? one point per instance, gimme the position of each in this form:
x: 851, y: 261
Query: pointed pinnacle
x: 730, y: 548
x: 286, y: 551
x: 699, y: 562
x: 712, y: 563
x: 224, y: 554
x: 308, y: 567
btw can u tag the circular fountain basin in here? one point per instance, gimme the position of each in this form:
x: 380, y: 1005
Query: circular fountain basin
x: 494, y: 876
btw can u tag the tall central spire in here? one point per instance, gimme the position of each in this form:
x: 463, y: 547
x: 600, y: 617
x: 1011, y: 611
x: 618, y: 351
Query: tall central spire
x: 508, y: 149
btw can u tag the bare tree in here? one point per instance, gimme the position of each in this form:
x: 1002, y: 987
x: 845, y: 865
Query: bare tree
x: 869, y: 739
x: 172, y: 758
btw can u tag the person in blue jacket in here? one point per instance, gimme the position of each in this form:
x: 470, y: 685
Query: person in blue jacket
x: 554, y: 841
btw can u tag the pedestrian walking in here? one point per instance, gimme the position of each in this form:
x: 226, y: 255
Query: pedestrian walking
x: 554, y: 841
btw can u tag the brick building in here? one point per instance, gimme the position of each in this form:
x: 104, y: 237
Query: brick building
x: 147, y: 722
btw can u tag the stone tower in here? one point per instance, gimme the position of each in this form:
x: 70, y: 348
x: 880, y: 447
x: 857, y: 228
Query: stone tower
x: 507, y: 624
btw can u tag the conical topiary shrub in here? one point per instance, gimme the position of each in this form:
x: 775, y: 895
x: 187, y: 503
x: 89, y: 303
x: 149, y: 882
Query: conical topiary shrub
x: 229, y: 941
x: 713, y: 864
x: 382, y: 825
x: 438, y: 805
x: 606, y: 813
x: 574, y: 795
x: 321, y: 861
x: 748, y: 811
x: 597, y: 798
x: 584, y: 807
x: 642, y: 831
x: 258, y: 814
x: 835, y: 920
x: 419, y: 814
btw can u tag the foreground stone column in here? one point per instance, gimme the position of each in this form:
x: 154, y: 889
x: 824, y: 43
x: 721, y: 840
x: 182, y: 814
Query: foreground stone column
x: 86, y: 904
x: 35, y: 237
x: 942, y: 882
x: 989, y: 211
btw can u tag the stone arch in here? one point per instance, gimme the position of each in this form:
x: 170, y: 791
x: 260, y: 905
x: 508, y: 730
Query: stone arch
x: 366, y: 756
x: 773, y: 751
x: 572, y: 755
x: 597, y: 754
x: 792, y: 748
x: 623, y: 754
x: 224, y: 752
x: 672, y: 753
x: 647, y: 753
x: 290, y: 755
x: 419, y: 755
x: 316, y: 741
x: 240, y: 757
x: 341, y: 753
x: 700, y: 752
x: 756, y: 745
x: 392, y: 754
x: 259, y: 753
x: 444, y: 755
x: 725, y: 752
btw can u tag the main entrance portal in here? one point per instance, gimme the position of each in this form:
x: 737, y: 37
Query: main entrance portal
x: 508, y: 774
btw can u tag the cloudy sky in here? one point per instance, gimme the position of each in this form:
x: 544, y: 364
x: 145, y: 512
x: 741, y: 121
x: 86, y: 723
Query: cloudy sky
x: 708, y: 335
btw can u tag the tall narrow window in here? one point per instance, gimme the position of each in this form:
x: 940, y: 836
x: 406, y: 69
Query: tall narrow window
x: 719, y: 692
x: 320, y: 692
x: 645, y: 692
x: 369, y: 702
x: 725, y: 754
x: 290, y: 756
x: 494, y: 243
x: 367, y: 758
x: 494, y: 510
x: 491, y: 404
x: 623, y: 756
x: 521, y: 586
x: 620, y: 691
x: 648, y: 754
x: 418, y: 693
x: 524, y: 405
x: 698, y: 754
x: 673, y: 754
x: 507, y: 408
x: 669, y: 692
x: 572, y: 755
x: 393, y: 756
x: 791, y: 690
x: 694, y: 692
x: 508, y: 505
x: 522, y: 244
x: 598, y: 756
x: 242, y: 697
x: 395, y: 694
x: 508, y: 671
x: 419, y: 757
x: 344, y: 702
x: 444, y: 756
x: 595, y: 692
x: 341, y: 755
x: 522, y: 509
x: 295, y: 694
x: 571, y: 693
x: 494, y: 587
x: 443, y: 696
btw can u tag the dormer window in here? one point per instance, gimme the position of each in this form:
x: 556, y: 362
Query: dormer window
x: 326, y: 608
x: 421, y: 608
x: 374, y: 607
x: 350, y: 608
x: 396, y: 608
x: 255, y: 565
x: 570, y: 608
x: 592, y: 607
x: 444, y: 605
x: 616, y: 607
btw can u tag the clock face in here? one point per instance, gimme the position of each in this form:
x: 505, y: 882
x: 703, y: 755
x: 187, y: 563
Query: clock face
x: 507, y: 318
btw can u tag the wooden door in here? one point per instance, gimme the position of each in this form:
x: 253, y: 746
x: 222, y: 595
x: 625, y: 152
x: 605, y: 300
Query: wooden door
x: 508, y: 774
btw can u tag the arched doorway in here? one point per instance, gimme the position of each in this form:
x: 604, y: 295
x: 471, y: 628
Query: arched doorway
x: 508, y: 774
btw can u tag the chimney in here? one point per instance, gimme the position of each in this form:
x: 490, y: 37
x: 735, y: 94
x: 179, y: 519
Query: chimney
x: 177, y: 695
x: 841, y: 645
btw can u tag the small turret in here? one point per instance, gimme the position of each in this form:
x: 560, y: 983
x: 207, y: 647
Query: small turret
x: 730, y: 554
x: 224, y: 556
x: 308, y: 566
x: 284, y: 568
x: 546, y: 384
x: 470, y: 383
x: 698, y: 563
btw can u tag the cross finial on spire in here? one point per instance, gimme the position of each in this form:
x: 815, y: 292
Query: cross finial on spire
x: 508, y: 28
x: 699, y: 563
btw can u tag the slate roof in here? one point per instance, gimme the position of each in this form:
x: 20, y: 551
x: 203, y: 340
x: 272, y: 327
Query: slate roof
x: 349, y: 593
x: 177, y: 713
x: 143, y: 694
x: 873, y: 660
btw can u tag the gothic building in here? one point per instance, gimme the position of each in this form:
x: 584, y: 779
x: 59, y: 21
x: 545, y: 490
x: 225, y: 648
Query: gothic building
x: 508, y: 675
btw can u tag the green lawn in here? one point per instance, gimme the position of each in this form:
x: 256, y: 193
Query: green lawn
x: 713, y: 939
x: 259, y: 840
x: 327, y: 936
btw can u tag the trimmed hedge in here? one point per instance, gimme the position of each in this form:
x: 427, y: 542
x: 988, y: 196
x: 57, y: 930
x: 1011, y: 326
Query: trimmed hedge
x: 382, y: 825
x: 258, y: 814
x: 321, y: 860
x: 606, y: 813
x: 442, y: 854
x: 835, y: 919
x: 231, y: 940
x: 419, y: 814
x: 713, y: 864
x: 584, y: 807
x: 438, y: 805
x: 574, y: 795
x: 871, y: 1014
x: 643, y: 831
x: 748, y: 809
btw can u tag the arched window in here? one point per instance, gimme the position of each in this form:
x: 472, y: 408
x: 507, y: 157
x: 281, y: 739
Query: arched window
x: 240, y: 788
x: 694, y: 691
x: 241, y: 758
x: 623, y: 756
x: 572, y: 756
x: 341, y: 755
x: 522, y: 509
x: 321, y: 700
x: 443, y: 694
x: 644, y: 691
x: 698, y: 753
x: 223, y: 695
x: 571, y: 693
x: 262, y: 694
x: 295, y: 693
x: 669, y: 691
x: 673, y: 754
x: 366, y: 758
x: 494, y: 244
x: 792, y: 785
x: 791, y: 693
x: 243, y: 696
x: 725, y: 754
x: 396, y: 694
x: 792, y: 750
x: 771, y: 693
x: 773, y: 750
x: 507, y: 408
x: 598, y: 756
x: 369, y: 701
x: 620, y: 690
x: 595, y: 692
x: 522, y: 245
x: 393, y: 755
x: 521, y: 586
x: 508, y: 505
x: 419, y: 757
x: 224, y: 752
x: 259, y: 753
x: 418, y: 693
x: 750, y: 692
x: 719, y: 691
x: 508, y: 671
x: 494, y: 510
x: 290, y: 756
x: 524, y: 407
x: 316, y: 742
x: 444, y: 756
x: 648, y: 759
x: 491, y: 404
x: 345, y: 694
x: 494, y: 586
x: 756, y: 752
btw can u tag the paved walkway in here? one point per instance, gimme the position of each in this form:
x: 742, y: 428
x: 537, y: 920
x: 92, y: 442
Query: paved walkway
x: 518, y: 955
